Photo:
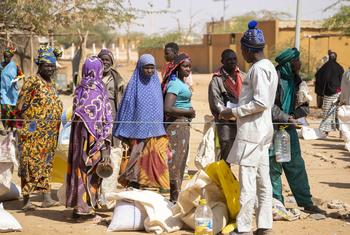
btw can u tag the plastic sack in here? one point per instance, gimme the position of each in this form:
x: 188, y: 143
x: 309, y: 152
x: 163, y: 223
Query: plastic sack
x: 303, y: 95
x: 128, y: 216
x: 59, y: 170
x: 189, y: 198
x: 281, y: 213
x: 206, y: 150
x: 61, y: 193
x: 344, y: 126
x: 221, y: 174
x: 64, y: 135
x: 110, y: 184
x: 159, y: 211
x: 7, y: 162
x: 309, y: 133
x: 13, y: 194
x: 8, y: 223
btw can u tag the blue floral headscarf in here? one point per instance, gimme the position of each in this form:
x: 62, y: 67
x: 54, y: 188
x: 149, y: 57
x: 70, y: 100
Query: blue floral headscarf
x: 47, y: 54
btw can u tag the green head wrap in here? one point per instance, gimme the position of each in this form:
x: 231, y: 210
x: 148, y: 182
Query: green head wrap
x: 284, y: 59
x: 287, y: 77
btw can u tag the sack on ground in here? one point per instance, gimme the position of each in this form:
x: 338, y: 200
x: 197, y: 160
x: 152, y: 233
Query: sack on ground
x: 221, y: 174
x: 206, y: 149
x: 7, y: 162
x: 110, y: 184
x: 61, y: 193
x: 159, y: 218
x: 280, y: 212
x: 189, y: 200
x: 8, y: 223
x: 344, y: 124
x: 309, y: 133
x: 128, y: 216
x: 13, y: 194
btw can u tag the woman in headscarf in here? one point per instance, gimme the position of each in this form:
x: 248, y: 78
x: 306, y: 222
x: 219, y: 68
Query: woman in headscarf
x: 178, y: 112
x: 328, y: 81
x: 141, y: 127
x: 40, y: 107
x: 89, y: 140
x: 10, y: 74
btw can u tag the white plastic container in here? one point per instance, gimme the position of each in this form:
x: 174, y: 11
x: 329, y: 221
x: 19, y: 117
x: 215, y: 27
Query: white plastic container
x: 282, y: 146
x: 203, y: 219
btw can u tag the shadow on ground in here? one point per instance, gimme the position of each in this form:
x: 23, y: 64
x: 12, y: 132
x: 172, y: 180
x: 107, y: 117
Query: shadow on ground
x: 337, y: 185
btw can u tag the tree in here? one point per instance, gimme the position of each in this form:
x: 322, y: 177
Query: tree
x: 340, y: 20
x: 48, y: 17
x: 160, y: 40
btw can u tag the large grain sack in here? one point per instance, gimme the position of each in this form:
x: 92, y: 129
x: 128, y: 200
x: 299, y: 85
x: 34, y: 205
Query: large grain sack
x: 110, y: 184
x: 13, y: 194
x: 7, y: 162
x: 7, y: 222
x: 128, y: 216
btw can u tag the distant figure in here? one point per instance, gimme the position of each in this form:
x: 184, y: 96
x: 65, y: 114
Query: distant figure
x: 319, y: 65
x: 115, y: 86
x: 328, y: 81
x: 40, y: 108
x: 10, y: 74
x: 223, y: 92
x: 254, y: 135
x: 287, y: 110
x: 171, y: 50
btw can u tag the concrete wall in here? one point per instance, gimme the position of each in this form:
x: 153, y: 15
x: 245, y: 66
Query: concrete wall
x: 314, y: 49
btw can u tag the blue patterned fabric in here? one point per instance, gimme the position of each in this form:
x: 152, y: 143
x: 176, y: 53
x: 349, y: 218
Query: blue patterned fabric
x: 253, y: 39
x: 142, y: 102
x: 9, y: 91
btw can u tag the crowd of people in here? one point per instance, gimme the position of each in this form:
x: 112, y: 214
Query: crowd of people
x: 150, y: 119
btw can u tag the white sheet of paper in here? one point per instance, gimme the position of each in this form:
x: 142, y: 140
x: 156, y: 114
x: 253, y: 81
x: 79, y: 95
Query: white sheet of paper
x: 231, y: 105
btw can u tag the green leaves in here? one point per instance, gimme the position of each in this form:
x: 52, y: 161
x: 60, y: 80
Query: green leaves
x: 341, y: 20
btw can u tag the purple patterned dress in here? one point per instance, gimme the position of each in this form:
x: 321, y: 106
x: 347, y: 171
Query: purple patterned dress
x: 89, y: 140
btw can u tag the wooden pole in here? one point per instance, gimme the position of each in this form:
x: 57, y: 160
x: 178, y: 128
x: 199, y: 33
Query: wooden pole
x: 297, y: 25
x: 31, y: 54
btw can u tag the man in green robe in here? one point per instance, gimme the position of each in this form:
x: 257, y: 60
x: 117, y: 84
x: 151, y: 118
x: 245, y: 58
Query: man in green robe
x: 285, y: 111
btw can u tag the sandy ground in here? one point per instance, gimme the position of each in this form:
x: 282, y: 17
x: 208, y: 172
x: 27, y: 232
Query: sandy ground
x: 327, y: 162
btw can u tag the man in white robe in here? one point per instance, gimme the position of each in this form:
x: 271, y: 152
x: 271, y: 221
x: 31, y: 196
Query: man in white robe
x: 254, y: 134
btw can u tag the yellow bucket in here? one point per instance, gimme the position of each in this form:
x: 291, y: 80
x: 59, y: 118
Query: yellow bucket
x: 60, y: 164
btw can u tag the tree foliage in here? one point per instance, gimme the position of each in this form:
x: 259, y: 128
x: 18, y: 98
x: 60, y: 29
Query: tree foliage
x: 160, y: 40
x: 43, y: 17
x: 341, y: 19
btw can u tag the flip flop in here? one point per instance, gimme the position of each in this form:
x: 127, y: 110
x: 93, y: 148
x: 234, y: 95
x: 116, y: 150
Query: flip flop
x: 50, y: 204
x: 29, y: 207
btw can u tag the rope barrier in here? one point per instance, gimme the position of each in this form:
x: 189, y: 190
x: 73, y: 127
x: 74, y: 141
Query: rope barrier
x: 151, y: 122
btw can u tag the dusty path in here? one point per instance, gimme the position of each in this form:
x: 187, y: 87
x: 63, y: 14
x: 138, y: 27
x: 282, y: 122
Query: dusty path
x: 327, y: 162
